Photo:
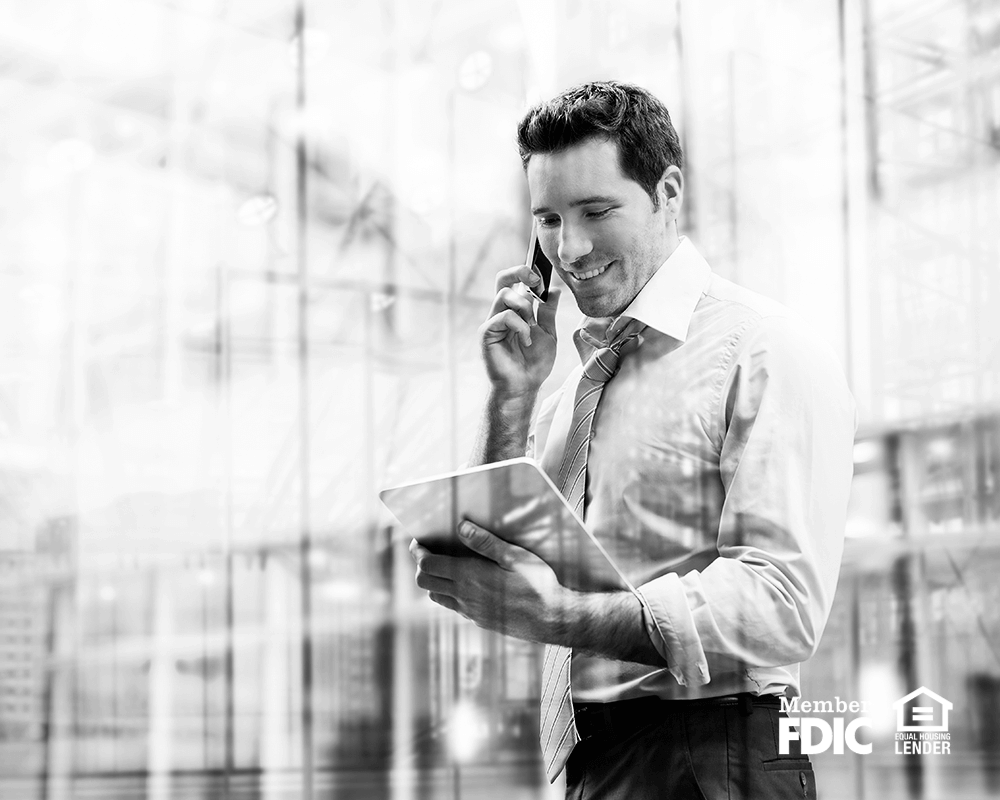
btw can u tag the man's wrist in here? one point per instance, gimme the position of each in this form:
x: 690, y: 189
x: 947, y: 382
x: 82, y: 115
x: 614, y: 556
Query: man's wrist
x: 513, y: 406
x: 568, y: 618
x: 605, y: 624
x: 585, y: 620
x: 504, y: 430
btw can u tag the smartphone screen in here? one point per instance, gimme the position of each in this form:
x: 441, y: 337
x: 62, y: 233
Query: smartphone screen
x: 537, y: 260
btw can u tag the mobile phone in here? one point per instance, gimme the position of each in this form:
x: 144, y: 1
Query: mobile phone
x: 540, y: 264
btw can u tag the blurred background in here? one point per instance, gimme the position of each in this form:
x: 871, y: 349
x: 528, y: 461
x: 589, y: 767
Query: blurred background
x: 244, y: 249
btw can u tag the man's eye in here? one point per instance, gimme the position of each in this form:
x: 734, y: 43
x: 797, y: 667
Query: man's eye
x: 598, y: 214
x: 548, y: 222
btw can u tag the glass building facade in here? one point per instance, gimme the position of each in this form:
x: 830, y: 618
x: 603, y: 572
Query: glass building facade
x: 245, y: 246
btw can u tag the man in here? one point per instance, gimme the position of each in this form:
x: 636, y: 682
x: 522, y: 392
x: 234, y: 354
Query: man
x: 708, y: 441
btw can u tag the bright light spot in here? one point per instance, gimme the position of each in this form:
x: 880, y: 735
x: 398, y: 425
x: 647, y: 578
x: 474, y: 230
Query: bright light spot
x: 316, y: 45
x: 942, y: 448
x: 866, y: 451
x: 108, y: 593
x: 880, y: 687
x: 71, y: 155
x: 125, y: 127
x: 986, y: 22
x: 257, y: 211
x: 381, y: 301
x: 342, y: 591
x: 319, y: 558
x: 466, y: 731
x: 475, y: 70
x: 206, y: 577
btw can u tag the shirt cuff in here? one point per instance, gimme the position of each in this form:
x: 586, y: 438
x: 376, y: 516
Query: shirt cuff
x: 672, y: 631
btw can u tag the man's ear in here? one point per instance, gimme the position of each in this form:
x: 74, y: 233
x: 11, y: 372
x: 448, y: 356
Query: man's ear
x: 670, y: 190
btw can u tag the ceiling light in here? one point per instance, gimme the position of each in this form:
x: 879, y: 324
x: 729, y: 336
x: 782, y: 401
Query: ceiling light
x: 475, y: 70
x: 258, y: 210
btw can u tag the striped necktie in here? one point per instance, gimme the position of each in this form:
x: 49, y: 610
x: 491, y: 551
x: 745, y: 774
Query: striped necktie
x: 557, y: 732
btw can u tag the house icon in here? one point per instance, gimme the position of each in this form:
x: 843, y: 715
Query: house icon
x: 922, y: 710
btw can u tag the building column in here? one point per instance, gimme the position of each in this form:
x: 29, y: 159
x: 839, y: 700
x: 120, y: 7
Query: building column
x: 161, y: 691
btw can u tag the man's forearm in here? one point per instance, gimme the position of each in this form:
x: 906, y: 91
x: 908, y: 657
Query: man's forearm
x: 503, y: 432
x: 606, y: 624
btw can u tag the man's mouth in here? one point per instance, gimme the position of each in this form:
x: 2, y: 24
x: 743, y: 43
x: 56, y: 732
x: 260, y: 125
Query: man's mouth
x: 586, y: 276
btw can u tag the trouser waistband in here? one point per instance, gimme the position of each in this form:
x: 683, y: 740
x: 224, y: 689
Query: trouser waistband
x: 593, y: 719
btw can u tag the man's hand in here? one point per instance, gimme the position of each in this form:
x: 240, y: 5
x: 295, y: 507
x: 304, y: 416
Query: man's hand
x: 518, y: 350
x: 509, y: 589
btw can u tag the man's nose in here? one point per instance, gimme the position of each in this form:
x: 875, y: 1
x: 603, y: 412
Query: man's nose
x: 574, y: 243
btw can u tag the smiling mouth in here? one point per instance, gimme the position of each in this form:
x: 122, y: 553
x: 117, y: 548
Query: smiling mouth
x: 586, y: 276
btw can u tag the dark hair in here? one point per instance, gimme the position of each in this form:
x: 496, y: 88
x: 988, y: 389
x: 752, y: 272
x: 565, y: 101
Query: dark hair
x: 621, y: 113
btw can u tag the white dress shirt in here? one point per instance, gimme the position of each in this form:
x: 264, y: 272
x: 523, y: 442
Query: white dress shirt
x: 718, y: 480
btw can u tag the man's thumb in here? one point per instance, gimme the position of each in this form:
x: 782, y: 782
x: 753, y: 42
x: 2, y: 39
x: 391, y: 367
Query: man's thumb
x: 485, y: 543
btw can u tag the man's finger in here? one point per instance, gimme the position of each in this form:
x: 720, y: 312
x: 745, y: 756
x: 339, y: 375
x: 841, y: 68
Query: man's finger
x: 445, y: 600
x: 547, y: 311
x: 429, y: 563
x: 486, y: 544
x: 517, y: 302
x: 417, y: 551
x: 522, y: 273
x: 434, y: 584
x: 438, y: 566
x: 506, y: 323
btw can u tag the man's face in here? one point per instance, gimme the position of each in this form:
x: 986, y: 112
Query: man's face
x: 597, y: 226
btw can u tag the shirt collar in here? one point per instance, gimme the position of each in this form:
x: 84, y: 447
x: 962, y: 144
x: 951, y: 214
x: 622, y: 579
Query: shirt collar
x: 666, y: 303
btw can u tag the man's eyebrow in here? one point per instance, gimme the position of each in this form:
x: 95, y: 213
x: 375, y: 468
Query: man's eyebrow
x: 593, y: 200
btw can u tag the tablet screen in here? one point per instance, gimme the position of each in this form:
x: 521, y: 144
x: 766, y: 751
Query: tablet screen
x: 518, y: 502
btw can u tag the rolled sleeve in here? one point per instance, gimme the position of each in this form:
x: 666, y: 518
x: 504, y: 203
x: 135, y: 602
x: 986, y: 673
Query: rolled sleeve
x: 673, y: 631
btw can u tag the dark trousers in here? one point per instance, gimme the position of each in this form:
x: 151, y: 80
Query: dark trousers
x: 685, y: 751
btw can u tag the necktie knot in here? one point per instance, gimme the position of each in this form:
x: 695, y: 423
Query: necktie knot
x: 604, y: 361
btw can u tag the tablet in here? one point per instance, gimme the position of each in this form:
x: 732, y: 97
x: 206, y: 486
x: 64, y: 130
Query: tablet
x: 518, y: 502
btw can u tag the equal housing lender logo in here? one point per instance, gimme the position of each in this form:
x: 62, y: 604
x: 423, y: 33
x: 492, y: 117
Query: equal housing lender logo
x: 921, y: 725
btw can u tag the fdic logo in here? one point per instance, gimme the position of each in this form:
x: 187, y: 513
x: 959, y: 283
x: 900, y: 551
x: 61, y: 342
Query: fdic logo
x: 816, y: 734
x: 921, y: 725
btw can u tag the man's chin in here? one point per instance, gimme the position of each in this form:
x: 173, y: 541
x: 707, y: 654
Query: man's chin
x: 599, y: 306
